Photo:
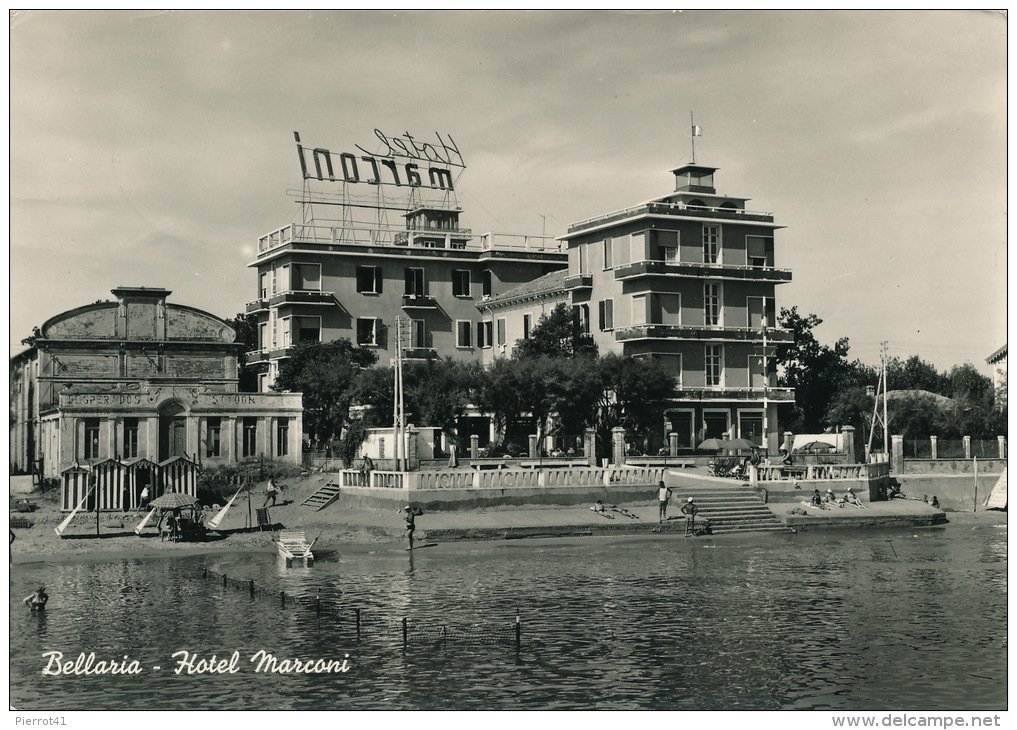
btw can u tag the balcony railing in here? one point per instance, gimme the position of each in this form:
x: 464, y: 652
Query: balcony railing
x: 701, y: 332
x: 364, y: 235
x: 728, y: 393
x: 419, y: 301
x: 302, y: 296
x: 698, y: 270
x: 673, y: 209
x: 258, y: 305
x: 581, y: 281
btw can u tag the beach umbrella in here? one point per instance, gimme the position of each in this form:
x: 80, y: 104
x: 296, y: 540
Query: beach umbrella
x: 173, y: 500
x: 713, y: 445
x: 816, y: 446
x: 740, y: 445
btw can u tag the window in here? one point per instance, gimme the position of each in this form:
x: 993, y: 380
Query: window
x: 759, y: 251
x: 464, y: 332
x: 666, y: 309
x: 264, y: 285
x: 713, y: 365
x: 584, y: 259
x: 91, y: 446
x: 367, y: 330
x: 250, y: 444
x: 639, y: 309
x: 282, y: 437
x: 608, y: 253
x: 667, y: 246
x: 673, y: 364
x: 263, y: 336
x: 418, y: 335
x: 485, y: 334
x: 369, y: 279
x: 306, y: 329
x: 501, y: 331
x: 213, y: 437
x: 669, y: 254
x: 527, y: 323
x: 275, y: 326
x: 711, y: 244
x: 460, y: 283
x: 606, y: 314
x: 711, y: 304
x: 581, y: 314
x: 130, y: 438
x: 415, y: 283
x: 306, y: 277
x: 485, y: 282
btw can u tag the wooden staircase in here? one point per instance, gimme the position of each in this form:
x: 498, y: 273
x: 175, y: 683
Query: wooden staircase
x: 323, y: 497
x: 729, y: 509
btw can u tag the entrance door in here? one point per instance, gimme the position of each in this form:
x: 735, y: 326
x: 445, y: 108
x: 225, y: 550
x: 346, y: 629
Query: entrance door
x: 172, y: 432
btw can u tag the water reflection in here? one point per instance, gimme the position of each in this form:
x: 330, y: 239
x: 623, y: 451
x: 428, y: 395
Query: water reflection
x: 796, y: 622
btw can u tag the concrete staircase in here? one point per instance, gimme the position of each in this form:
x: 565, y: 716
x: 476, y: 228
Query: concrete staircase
x: 729, y: 508
x: 323, y: 497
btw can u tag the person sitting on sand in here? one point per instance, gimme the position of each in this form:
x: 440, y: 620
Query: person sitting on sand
x: 37, y: 599
x: 830, y: 500
x: 598, y: 507
x: 817, y: 500
x: 935, y: 502
x: 851, y: 498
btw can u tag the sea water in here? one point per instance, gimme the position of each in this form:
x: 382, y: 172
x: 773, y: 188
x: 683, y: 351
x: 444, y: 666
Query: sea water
x: 852, y: 620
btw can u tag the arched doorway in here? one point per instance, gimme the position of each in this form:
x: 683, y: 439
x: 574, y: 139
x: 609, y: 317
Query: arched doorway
x: 172, y: 430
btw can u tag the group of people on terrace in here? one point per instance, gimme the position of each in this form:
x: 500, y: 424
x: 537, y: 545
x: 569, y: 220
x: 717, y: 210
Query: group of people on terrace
x: 831, y: 500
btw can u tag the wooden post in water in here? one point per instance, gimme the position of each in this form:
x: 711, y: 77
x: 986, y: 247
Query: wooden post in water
x: 975, y: 505
x: 252, y: 587
x: 404, y: 632
x: 358, y: 622
x: 518, y: 632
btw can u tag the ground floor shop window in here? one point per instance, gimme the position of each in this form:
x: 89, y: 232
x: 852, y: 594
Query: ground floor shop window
x: 250, y: 446
x: 90, y: 447
x: 282, y: 437
x: 131, y: 429
x: 213, y: 440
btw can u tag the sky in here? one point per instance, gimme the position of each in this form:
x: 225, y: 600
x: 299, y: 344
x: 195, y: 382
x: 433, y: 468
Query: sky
x: 155, y: 148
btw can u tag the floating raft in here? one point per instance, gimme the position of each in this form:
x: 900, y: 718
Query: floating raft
x: 293, y: 546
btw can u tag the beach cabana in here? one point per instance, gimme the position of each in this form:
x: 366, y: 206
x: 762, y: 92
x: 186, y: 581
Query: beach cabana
x: 110, y: 484
x: 179, y: 474
x: 74, y: 485
x: 138, y: 474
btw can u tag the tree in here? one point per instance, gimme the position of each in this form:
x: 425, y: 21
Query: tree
x: 915, y: 374
x: 325, y: 373
x: 246, y: 327
x: 815, y: 371
x: 557, y: 334
x: 439, y: 391
x: 634, y: 393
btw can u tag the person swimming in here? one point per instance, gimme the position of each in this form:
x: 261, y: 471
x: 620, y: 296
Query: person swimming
x: 37, y: 599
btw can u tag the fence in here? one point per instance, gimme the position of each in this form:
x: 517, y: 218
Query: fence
x: 411, y: 630
x: 965, y: 448
x: 503, y: 478
x: 821, y: 472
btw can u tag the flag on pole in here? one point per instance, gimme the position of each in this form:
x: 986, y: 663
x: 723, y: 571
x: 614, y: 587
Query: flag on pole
x: 697, y: 131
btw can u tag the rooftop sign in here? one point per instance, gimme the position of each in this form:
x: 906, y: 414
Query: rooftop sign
x: 387, y: 167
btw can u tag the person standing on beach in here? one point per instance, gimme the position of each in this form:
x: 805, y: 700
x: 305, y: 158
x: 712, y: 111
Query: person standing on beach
x: 663, y: 497
x: 690, y: 510
x: 411, y: 522
x: 270, y: 492
x: 37, y: 599
x: 143, y: 499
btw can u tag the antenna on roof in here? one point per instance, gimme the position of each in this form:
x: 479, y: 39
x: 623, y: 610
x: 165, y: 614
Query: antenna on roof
x: 696, y: 132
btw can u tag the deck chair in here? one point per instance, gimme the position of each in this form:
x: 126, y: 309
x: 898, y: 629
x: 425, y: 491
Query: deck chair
x: 264, y: 521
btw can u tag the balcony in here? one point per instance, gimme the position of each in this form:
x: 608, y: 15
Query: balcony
x: 268, y: 353
x: 580, y: 281
x: 672, y: 209
x: 420, y: 353
x: 327, y: 234
x: 687, y: 332
x: 294, y: 296
x: 737, y: 394
x: 737, y: 272
x: 419, y: 301
x: 258, y: 305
